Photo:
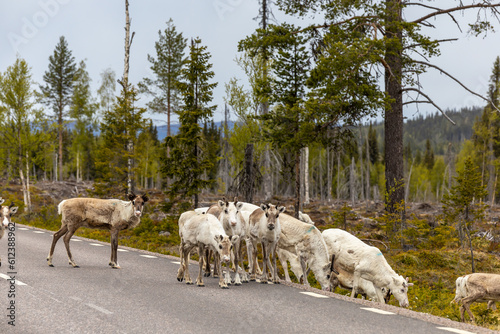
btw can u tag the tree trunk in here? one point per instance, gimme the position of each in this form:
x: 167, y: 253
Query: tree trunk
x: 305, y: 167
x: 393, y: 124
x: 60, y: 135
x: 297, y: 184
x: 329, y: 174
x: 249, y: 177
x: 352, y: 184
x: 130, y: 145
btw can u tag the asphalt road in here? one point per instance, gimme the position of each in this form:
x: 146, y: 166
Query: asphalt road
x: 145, y: 297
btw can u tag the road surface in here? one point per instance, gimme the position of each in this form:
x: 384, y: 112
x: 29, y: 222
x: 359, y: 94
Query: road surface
x: 145, y: 297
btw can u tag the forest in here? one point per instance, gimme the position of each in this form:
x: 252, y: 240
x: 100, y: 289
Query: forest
x: 307, y: 132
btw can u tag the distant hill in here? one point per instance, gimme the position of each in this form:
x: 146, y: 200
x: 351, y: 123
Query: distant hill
x: 436, y: 128
x: 174, y: 128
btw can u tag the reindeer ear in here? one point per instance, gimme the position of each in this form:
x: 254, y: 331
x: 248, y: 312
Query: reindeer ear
x: 131, y: 196
x: 13, y: 210
x: 234, y: 238
x: 2, y: 200
x: 238, y: 205
x: 145, y: 198
x: 263, y: 207
x: 222, y: 202
x: 281, y: 209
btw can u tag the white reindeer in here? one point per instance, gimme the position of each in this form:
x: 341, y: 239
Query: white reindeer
x: 366, y: 262
x: 306, y: 241
x: 203, y: 231
x: 109, y: 214
x: 265, y: 228
x: 6, y: 212
x: 234, y: 224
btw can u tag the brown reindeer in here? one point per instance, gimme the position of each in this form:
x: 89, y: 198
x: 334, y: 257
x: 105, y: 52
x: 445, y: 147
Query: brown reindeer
x: 109, y: 214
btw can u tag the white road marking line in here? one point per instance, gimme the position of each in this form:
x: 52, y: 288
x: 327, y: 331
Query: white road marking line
x: 376, y: 310
x: 312, y: 294
x: 5, y: 277
x: 39, y: 232
x: 176, y: 262
x: 454, y: 330
x: 98, y: 308
x: 149, y: 256
x: 122, y: 250
x: 97, y: 245
x: 75, y: 298
x: 23, y: 228
x: 75, y: 239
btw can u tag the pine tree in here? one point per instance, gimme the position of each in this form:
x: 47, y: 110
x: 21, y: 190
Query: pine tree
x: 187, y: 163
x: 58, y: 89
x: 287, y: 124
x: 119, y: 127
x: 428, y: 155
x: 459, y: 205
x: 82, y: 111
x: 167, y: 70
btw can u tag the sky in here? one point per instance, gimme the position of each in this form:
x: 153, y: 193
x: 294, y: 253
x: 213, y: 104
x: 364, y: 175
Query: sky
x: 94, y: 30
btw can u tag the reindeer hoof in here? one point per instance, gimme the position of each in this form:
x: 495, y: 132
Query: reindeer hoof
x: 51, y: 265
x: 206, y: 275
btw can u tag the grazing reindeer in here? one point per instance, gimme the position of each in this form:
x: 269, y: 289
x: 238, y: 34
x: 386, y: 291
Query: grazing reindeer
x: 109, y: 214
x: 5, y: 213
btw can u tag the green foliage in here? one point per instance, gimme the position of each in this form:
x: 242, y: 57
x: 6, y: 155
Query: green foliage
x: 82, y: 111
x: 187, y: 162
x: 17, y: 116
x: 167, y: 67
x: 119, y: 127
x: 58, y: 90
x: 460, y: 200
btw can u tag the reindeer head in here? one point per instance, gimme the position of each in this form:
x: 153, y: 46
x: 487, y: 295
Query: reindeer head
x: 7, y: 212
x: 272, y: 214
x: 399, y: 288
x: 230, y: 212
x: 138, y: 203
x: 224, y: 246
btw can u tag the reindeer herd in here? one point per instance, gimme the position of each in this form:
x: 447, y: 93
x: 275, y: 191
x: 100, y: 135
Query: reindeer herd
x: 335, y: 257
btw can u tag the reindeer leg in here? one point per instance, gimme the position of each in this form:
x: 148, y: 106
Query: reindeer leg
x: 253, y: 261
x: 264, y: 277
x: 187, y: 277
x: 207, y: 263
x: 62, y: 231
x: 180, y: 272
x: 305, y: 271
x: 67, y: 238
x: 237, y: 256
x: 218, y: 263
x: 199, y: 280
x: 114, y: 250
x: 276, y: 279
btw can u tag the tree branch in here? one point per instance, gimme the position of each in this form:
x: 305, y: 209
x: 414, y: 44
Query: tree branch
x: 437, y: 41
x: 457, y: 81
x: 454, y: 9
x: 429, y: 100
x: 438, y: 10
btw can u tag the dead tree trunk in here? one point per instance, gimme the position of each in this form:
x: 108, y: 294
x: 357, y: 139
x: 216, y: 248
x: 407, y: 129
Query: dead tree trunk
x: 130, y: 145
